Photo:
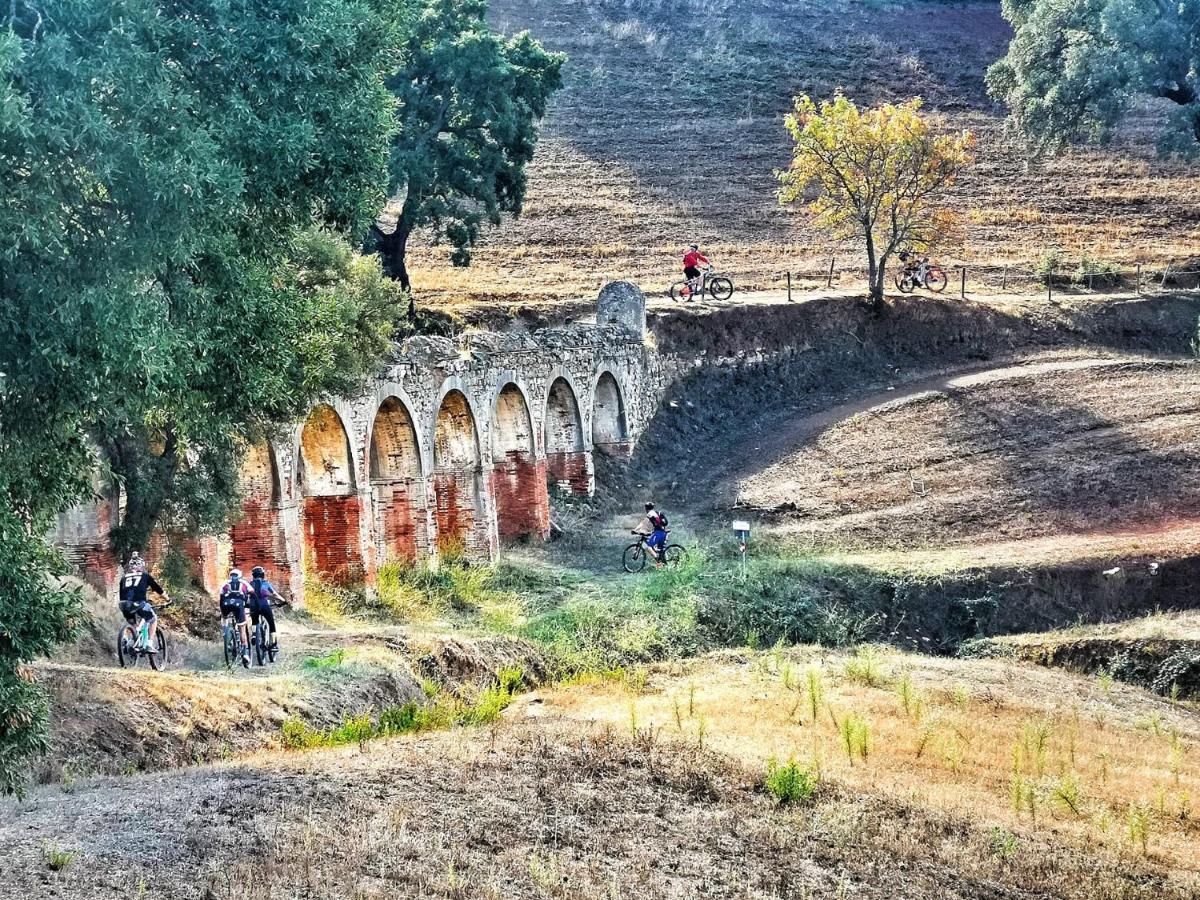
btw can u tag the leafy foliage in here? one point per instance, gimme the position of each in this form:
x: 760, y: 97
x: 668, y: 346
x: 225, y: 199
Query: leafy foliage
x: 876, y: 175
x: 469, y: 103
x: 179, y: 185
x: 1073, y: 70
x: 790, y: 783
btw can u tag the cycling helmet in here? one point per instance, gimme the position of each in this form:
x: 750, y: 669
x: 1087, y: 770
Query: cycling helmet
x: 258, y: 572
x: 235, y: 574
x: 694, y: 247
x: 136, y: 564
x: 649, y: 506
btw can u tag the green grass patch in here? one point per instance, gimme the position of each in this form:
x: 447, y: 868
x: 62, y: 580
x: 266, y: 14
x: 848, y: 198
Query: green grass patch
x: 441, y: 711
x: 790, y: 783
x: 330, y: 660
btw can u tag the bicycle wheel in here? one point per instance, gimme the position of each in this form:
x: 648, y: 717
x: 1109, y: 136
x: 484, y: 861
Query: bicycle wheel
x: 634, y: 559
x: 261, y: 637
x: 673, y: 555
x: 720, y: 288
x: 935, y: 279
x: 905, y: 283
x: 677, y: 293
x: 158, y: 661
x: 230, y: 647
x: 126, y: 639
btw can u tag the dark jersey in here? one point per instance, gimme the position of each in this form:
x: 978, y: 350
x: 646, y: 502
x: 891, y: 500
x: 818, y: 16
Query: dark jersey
x: 134, y: 587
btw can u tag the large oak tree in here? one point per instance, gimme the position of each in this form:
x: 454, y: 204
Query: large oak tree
x: 1075, y: 67
x: 469, y: 103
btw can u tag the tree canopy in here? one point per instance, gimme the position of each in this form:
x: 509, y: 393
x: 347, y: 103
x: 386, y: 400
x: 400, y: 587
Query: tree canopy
x: 469, y: 101
x: 1074, y: 69
x: 878, y: 175
x: 180, y: 186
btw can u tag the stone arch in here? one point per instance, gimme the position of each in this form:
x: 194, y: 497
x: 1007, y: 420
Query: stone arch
x: 457, y: 471
x: 518, y: 477
x: 568, y: 462
x: 610, y: 428
x: 258, y: 538
x: 325, y: 476
x: 397, y: 482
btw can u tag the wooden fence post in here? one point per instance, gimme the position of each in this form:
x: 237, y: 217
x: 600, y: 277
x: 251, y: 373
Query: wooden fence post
x: 1050, y: 285
x: 962, y: 288
x: 789, y: 283
x: 1004, y: 280
x: 1166, y: 272
x: 829, y: 280
x: 1138, y: 289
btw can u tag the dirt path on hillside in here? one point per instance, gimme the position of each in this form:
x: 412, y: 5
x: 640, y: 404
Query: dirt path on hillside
x: 791, y: 437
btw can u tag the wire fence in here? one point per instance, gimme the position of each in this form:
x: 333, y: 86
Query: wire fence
x: 967, y: 278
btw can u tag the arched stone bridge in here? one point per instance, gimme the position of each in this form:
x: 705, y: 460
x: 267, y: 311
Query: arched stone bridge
x: 453, y: 449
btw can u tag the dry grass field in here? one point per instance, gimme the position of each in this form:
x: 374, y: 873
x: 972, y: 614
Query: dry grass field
x: 981, y: 779
x: 669, y: 130
x: 1012, y: 748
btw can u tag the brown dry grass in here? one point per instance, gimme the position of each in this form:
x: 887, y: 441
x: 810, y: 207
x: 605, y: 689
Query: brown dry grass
x: 968, y: 727
x: 532, y: 810
x: 669, y: 130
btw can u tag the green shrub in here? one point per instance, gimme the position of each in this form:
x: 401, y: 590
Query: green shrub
x: 790, y: 783
x: 330, y: 660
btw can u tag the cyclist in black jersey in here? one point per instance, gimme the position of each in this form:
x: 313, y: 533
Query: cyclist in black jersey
x: 133, y: 600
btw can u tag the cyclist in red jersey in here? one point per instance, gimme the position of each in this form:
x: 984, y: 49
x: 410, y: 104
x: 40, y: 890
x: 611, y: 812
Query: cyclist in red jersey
x: 692, y: 260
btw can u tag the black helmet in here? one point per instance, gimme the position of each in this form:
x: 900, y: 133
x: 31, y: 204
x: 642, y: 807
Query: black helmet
x: 695, y: 247
x: 258, y: 572
x: 649, y: 506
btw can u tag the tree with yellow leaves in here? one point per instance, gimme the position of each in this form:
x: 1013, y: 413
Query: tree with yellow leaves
x: 878, y: 174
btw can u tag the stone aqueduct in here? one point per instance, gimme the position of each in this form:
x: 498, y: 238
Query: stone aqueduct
x: 454, y: 448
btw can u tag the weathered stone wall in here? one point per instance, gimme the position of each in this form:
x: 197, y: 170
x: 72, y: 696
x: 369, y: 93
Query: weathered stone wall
x: 453, y: 449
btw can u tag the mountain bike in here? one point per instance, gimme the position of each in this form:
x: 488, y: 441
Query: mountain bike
x: 923, y: 274
x: 719, y: 287
x: 635, y: 555
x: 133, y: 643
x: 260, y: 637
x: 231, y: 638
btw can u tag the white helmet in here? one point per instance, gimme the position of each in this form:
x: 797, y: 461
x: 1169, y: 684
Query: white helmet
x: 235, y: 574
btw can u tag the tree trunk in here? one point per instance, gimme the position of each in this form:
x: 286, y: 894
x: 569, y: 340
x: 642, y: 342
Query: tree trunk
x: 148, y: 480
x: 392, y: 251
x: 874, y: 275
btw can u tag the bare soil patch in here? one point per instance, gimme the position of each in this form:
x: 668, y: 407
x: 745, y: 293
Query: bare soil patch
x: 1012, y: 453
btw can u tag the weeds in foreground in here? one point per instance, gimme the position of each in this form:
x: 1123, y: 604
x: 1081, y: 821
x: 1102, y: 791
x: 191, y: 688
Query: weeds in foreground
x: 442, y: 711
x: 790, y: 783
x: 864, y: 668
x: 814, y: 688
x: 330, y: 660
x: 856, y: 737
x: 56, y: 858
x: 1138, y: 825
x: 1003, y: 843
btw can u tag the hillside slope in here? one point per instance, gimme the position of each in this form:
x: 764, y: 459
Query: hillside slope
x: 669, y: 130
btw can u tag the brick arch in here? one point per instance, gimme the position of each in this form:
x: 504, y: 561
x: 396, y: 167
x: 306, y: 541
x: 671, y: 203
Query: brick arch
x: 397, y: 485
x: 518, y: 477
x: 325, y: 476
x: 568, y: 462
x: 459, y: 508
x: 610, y: 425
x: 258, y: 538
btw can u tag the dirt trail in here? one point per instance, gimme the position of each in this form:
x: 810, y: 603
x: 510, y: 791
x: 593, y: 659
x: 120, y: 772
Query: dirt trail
x: 798, y: 433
